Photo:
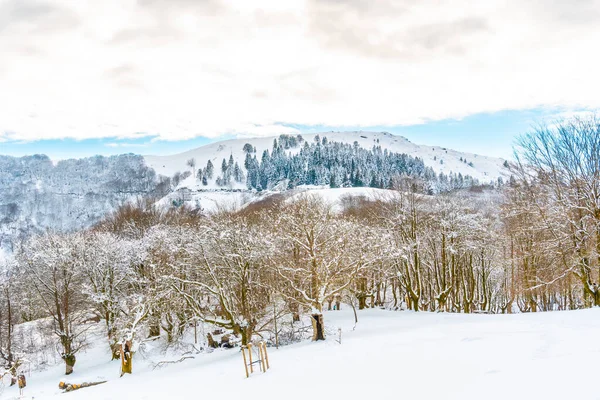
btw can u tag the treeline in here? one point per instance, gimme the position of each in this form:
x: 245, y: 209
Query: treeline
x: 294, y: 161
x: 146, y: 272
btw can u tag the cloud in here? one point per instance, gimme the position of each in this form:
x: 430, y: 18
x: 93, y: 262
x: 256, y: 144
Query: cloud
x: 126, y: 144
x: 389, y: 29
x: 180, y: 69
x: 124, y: 76
x: 35, y: 16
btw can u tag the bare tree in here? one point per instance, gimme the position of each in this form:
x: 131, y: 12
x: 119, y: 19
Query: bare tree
x: 53, y: 265
x: 221, y: 274
x: 320, y: 260
x: 562, y: 163
x: 107, y: 274
x: 8, y: 318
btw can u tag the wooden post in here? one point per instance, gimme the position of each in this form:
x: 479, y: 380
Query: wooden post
x: 250, y: 355
x: 245, y: 361
x: 262, y: 357
x: 266, y: 356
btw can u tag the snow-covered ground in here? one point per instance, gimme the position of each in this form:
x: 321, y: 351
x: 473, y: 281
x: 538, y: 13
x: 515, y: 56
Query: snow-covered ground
x: 441, y: 159
x: 224, y: 200
x: 390, y: 354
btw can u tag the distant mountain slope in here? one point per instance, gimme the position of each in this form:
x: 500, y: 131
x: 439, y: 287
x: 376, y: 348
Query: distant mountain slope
x: 36, y: 194
x: 483, y: 168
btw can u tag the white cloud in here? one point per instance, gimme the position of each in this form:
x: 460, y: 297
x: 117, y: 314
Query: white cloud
x: 126, y: 144
x: 179, y: 69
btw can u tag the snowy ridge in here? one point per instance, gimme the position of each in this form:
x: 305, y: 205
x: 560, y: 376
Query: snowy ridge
x: 441, y: 159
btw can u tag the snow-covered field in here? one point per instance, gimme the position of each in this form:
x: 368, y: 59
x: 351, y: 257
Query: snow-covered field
x: 389, y: 355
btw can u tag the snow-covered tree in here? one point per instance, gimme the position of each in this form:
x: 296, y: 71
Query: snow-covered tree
x: 53, y: 266
x: 222, y: 274
x: 319, y: 259
x: 107, y: 277
x: 559, y: 164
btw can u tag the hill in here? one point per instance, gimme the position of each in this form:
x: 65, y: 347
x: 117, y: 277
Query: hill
x: 37, y: 194
x: 483, y: 168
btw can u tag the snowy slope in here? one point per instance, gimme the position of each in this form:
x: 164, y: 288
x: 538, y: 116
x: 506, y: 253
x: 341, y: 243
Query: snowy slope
x: 226, y: 200
x: 484, y: 168
x: 388, y: 355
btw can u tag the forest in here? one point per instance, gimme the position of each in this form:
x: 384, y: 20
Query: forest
x: 529, y: 245
x: 37, y: 194
x: 325, y: 163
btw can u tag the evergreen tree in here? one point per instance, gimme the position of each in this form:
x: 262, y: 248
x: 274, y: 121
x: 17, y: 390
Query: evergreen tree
x: 248, y: 148
x: 248, y: 161
x: 224, y: 166
x: 210, y: 168
x: 337, y: 164
x: 238, y: 175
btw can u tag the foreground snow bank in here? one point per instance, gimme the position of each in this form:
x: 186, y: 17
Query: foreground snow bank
x: 388, y: 355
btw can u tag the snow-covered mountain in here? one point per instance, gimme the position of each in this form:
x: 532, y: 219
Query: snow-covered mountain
x: 37, y: 194
x: 483, y: 168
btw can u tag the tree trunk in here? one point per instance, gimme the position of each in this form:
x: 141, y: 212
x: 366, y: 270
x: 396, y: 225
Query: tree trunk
x: 70, y: 363
x: 116, y: 351
x: 212, y: 343
x: 362, y: 301
x: 318, y: 327
x: 112, y: 335
x: 246, y: 333
x: 154, y: 325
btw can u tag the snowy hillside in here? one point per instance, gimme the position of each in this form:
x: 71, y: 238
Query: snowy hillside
x: 417, y: 355
x: 223, y: 200
x: 480, y: 167
x: 37, y: 194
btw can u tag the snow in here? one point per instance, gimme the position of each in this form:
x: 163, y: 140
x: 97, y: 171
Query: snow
x: 213, y: 200
x: 335, y: 196
x: 390, y: 354
x: 484, y: 168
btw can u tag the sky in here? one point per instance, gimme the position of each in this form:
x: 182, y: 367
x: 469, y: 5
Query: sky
x: 79, y: 78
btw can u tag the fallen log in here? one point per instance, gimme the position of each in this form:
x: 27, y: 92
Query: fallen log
x: 69, y: 387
